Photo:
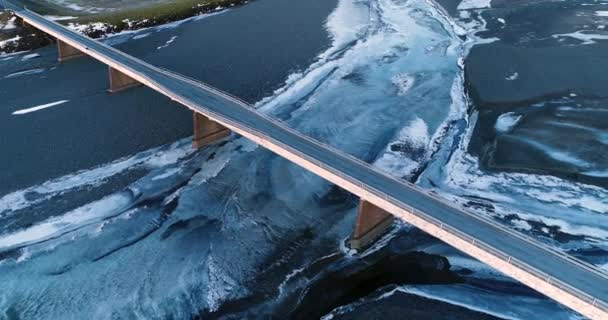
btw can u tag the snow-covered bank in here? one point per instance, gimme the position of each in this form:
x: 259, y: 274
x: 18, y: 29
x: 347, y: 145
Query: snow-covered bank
x: 23, y: 40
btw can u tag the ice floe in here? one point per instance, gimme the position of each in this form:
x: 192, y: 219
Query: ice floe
x: 586, y: 38
x: 30, y: 56
x: 512, y: 77
x: 170, y: 41
x: 24, y: 73
x: 40, y: 107
x: 506, y: 122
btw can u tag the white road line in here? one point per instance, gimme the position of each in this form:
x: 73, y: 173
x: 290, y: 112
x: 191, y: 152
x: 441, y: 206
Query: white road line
x: 40, y: 107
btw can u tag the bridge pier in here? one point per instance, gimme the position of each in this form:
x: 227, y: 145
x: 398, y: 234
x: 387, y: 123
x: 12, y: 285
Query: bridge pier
x: 67, y: 52
x: 20, y: 22
x: 207, y: 131
x: 120, y: 81
x: 372, y: 223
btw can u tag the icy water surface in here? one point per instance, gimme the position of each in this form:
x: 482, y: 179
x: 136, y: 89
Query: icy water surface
x: 234, y: 231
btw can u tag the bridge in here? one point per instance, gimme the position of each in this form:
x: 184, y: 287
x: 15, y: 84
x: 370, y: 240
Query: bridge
x: 576, y: 284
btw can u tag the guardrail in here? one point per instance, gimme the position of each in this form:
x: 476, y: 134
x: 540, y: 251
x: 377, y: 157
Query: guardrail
x: 429, y: 219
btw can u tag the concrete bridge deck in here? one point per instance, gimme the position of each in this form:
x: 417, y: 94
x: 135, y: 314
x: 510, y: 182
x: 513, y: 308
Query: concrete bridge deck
x: 569, y: 281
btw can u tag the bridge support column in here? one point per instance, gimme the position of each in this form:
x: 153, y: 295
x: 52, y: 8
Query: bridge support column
x: 207, y: 131
x: 67, y: 52
x: 120, y: 81
x: 20, y: 22
x: 372, y: 223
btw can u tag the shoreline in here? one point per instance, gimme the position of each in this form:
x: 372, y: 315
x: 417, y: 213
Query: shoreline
x: 14, y: 38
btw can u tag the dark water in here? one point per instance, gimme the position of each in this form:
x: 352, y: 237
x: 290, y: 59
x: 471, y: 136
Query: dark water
x: 241, y: 51
x: 560, y: 90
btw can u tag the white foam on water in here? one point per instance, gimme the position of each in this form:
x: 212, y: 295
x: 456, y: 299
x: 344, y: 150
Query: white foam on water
x: 601, y: 13
x: 40, y: 107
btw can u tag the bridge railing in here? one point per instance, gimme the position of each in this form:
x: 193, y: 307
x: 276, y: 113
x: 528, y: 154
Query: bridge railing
x: 205, y: 86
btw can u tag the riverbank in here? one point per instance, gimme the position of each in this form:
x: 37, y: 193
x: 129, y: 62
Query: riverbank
x: 101, y: 22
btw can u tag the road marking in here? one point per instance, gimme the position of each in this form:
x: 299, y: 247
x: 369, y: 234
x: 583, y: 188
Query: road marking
x: 40, y: 107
